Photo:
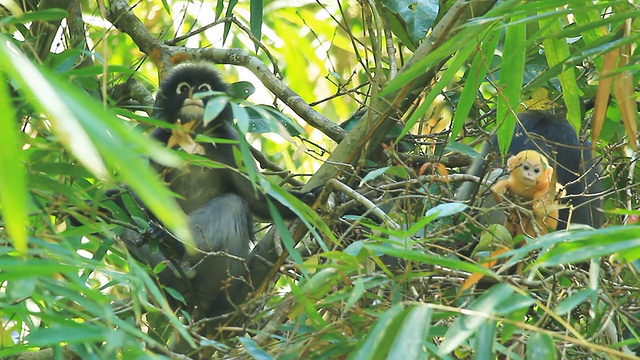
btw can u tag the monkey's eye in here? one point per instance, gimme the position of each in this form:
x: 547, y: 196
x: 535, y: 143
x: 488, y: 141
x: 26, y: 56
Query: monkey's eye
x: 183, y: 87
x: 525, y: 167
x: 536, y: 170
x: 204, y: 88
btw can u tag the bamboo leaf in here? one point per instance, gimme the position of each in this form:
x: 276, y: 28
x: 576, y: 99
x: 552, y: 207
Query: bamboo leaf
x: 13, y: 175
x: 557, y: 51
x: 255, y: 19
x: 477, y: 73
x: 510, y: 82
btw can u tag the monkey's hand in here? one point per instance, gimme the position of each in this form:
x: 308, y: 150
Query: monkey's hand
x: 499, y: 189
x: 158, y: 237
x: 308, y: 197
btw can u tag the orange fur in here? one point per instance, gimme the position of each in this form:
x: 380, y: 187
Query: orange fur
x: 530, y: 179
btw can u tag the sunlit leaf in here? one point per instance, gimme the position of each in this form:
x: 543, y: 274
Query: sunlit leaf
x: 40, y: 15
x: 13, y: 178
x: 69, y: 130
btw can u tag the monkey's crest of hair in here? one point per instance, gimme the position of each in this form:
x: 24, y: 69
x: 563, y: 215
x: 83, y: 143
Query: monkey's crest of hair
x: 524, y: 155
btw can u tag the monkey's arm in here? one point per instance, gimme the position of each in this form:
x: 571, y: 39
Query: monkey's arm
x: 257, y: 200
x: 500, y: 188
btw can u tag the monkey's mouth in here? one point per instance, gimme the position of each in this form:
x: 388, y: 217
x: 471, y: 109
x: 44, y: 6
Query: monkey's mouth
x: 528, y: 181
x: 192, y: 110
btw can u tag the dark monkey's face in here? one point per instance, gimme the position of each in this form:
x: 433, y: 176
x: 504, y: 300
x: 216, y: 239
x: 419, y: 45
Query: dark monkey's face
x: 185, y: 91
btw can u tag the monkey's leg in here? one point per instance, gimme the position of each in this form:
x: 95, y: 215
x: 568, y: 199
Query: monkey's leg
x: 222, y: 230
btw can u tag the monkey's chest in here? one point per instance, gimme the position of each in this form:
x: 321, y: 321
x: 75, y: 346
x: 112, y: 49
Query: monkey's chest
x: 195, y: 186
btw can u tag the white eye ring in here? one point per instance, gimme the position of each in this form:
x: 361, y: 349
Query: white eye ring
x: 204, y: 87
x: 183, y: 87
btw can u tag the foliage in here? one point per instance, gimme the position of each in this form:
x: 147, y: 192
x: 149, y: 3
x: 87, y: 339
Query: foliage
x: 376, y: 271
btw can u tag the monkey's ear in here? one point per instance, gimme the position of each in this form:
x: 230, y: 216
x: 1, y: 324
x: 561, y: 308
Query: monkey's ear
x: 512, y: 162
x: 548, y: 173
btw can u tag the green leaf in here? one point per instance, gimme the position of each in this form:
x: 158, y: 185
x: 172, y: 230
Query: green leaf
x: 285, y: 235
x: 13, y: 175
x: 264, y: 119
x: 166, y: 6
x: 241, y: 117
x: 229, y: 13
x: 292, y: 126
x: 577, y: 246
x: 452, y: 69
x: 484, y: 340
x: 557, y: 52
x: 477, y: 72
x: 382, y: 336
x: 95, y: 135
x: 409, y: 341
x: 540, y: 346
x: 255, y: 19
x: 320, y: 284
x: 48, y: 99
x: 570, y: 303
x: 374, y: 174
x: 241, y: 90
x: 18, y: 290
x: 16, y: 268
x: 465, y: 38
x: 427, y: 258
x: 253, y: 349
x: 307, y: 215
x: 511, y: 81
x: 464, y: 149
x: 356, y: 294
x: 40, y: 15
x: 446, y: 209
x: 68, y: 333
x: 466, y: 325
x: 418, y: 16
x: 215, y: 106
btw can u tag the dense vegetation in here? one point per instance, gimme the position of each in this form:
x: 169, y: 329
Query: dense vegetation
x: 376, y: 269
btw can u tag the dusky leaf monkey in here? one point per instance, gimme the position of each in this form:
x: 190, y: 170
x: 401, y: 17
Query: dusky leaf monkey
x: 574, y: 165
x: 530, y: 180
x: 219, y: 200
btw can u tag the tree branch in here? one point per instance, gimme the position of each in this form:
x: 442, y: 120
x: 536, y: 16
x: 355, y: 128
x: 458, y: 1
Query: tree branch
x: 166, y: 56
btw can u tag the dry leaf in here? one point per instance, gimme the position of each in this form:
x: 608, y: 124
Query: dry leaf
x: 182, y: 138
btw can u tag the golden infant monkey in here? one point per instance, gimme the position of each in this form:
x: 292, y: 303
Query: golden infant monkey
x: 530, y: 179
